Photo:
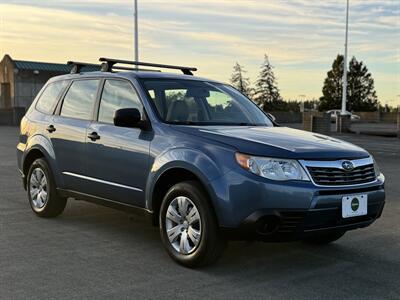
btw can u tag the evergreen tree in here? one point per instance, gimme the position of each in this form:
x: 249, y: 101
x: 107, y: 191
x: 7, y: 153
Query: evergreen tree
x: 361, y: 95
x: 332, y: 89
x: 240, y: 82
x: 267, y: 93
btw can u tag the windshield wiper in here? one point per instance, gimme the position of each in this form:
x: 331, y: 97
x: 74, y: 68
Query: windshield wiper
x: 184, y: 123
x: 247, y: 124
x: 214, y: 123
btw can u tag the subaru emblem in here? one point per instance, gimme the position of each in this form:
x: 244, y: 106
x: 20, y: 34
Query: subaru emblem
x: 347, y: 165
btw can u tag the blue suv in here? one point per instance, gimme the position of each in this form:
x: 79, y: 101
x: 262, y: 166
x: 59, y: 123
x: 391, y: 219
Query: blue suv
x: 202, y: 160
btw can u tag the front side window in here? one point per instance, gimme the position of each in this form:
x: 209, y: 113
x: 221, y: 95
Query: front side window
x: 48, y: 99
x: 117, y: 94
x: 202, y: 103
x: 80, y: 98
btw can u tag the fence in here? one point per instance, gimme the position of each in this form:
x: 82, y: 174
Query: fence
x: 311, y: 121
x: 317, y: 122
x: 377, y: 117
x: 287, y: 116
x: 11, y: 116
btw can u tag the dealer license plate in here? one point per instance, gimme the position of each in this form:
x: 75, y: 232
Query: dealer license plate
x: 354, y: 205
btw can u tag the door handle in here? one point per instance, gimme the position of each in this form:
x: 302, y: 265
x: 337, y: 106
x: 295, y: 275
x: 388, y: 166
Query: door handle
x: 93, y: 136
x: 50, y: 128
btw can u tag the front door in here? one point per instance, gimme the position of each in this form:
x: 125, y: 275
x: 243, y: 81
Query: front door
x: 117, y: 157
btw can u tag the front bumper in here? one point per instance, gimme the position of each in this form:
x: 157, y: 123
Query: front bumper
x: 251, y: 207
x: 290, y: 225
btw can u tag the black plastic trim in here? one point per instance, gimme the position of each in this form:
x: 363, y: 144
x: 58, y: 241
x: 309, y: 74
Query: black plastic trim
x: 105, y: 202
x: 350, y: 191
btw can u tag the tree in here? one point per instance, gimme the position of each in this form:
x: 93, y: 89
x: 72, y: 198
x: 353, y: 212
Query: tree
x: 332, y: 89
x: 267, y: 93
x: 240, y: 82
x: 361, y: 95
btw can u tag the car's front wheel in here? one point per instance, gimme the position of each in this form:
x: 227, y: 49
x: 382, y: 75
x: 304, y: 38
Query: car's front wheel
x: 42, y: 192
x: 188, y: 226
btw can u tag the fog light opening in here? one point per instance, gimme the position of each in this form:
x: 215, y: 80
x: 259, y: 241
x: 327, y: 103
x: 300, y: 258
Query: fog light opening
x: 267, y: 225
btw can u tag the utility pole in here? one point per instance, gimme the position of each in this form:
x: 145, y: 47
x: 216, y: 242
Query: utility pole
x: 136, y: 33
x: 344, y: 93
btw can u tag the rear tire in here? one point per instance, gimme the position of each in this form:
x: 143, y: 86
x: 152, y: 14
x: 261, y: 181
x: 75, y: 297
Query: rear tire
x: 42, y: 192
x: 324, y: 238
x: 188, y: 226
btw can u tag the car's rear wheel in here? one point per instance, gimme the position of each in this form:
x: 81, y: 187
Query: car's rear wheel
x: 42, y: 193
x: 323, y: 239
x: 188, y: 226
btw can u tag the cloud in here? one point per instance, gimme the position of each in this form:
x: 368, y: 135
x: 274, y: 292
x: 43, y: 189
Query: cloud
x: 302, y: 37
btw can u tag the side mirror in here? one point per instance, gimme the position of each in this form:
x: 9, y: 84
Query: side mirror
x: 128, y: 117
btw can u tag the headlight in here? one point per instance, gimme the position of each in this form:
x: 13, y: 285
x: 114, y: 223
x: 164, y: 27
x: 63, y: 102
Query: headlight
x: 376, y: 167
x: 272, y: 168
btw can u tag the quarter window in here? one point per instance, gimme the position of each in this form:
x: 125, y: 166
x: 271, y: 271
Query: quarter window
x: 80, y: 98
x: 117, y: 94
x: 49, y: 97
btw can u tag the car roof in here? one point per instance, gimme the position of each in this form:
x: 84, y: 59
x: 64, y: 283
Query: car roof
x: 134, y: 75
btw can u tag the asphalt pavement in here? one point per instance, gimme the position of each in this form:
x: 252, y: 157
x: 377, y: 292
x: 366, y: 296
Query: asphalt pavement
x: 99, y: 253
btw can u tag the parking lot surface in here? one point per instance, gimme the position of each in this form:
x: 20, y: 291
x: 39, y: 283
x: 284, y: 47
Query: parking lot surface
x: 99, y: 253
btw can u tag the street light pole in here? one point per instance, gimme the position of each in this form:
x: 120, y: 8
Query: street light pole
x: 344, y: 92
x: 136, y: 33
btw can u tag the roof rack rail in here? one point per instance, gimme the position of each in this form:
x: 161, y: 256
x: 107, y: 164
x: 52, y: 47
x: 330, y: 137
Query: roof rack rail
x: 77, y: 66
x: 108, y: 64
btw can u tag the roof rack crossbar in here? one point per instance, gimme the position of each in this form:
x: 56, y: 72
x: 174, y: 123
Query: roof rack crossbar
x: 77, y: 66
x: 108, y: 64
x: 133, y: 69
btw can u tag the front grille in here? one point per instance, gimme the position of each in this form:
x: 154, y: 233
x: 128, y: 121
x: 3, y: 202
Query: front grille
x: 335, y: 176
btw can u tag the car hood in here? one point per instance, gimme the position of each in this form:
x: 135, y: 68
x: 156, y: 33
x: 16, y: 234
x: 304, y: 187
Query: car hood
x: 278, y: 142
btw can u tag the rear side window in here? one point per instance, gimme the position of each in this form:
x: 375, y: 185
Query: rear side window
x: 48, y: 100
x: 117, y: 94
x: 79, y: 100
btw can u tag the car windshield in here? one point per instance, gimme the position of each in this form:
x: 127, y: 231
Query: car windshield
x: 192, y: 102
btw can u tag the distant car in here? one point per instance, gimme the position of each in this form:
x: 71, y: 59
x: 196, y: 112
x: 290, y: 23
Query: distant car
x: 335, y: 112
x: 203, y: 161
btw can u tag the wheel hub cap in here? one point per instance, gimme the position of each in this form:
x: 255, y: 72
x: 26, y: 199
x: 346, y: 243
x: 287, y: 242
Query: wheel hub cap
x: 186, y: 224
x: 38, y: 188
x: 183, y: 225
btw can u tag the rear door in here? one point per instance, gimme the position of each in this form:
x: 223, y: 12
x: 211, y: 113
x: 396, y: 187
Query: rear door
x: 117, y: 160
x: 75, y: 113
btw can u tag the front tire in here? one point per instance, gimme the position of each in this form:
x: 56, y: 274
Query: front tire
x: 324, y: 239
x: 188, y: 226
x: 42, y: 193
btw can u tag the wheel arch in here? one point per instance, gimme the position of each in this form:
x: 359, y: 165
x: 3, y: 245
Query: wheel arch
x: 34, y: 152
x: 177, y: 165
x: 30, y: 157
x: 168, y: 178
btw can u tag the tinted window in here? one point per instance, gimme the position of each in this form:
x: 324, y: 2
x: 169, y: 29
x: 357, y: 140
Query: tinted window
x: 79, y: 100
x: 117, y: 94
x: 49, y: 97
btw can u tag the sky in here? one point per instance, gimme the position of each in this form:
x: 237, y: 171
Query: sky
x: 301, y: 37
